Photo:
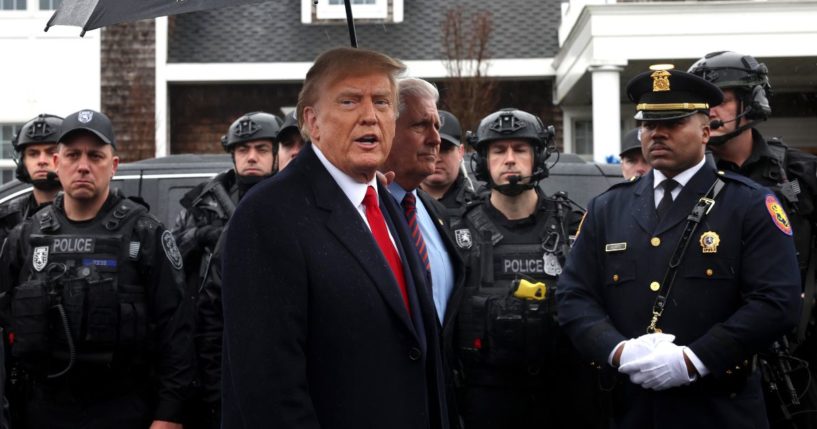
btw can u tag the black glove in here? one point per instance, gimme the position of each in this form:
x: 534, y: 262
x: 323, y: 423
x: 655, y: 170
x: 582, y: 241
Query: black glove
x: 208, y: 235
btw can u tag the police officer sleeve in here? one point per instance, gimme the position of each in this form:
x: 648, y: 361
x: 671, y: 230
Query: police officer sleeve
x: 581, y: 311
x: 769, y: 286
x: 265, y: 303
x: 209, y: 328
x: 171, y: 314
x: 10, y: 263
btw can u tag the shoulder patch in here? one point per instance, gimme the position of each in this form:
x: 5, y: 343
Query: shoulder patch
x: 171, y: 250
x: 463, y: 238
x: 778, y: 215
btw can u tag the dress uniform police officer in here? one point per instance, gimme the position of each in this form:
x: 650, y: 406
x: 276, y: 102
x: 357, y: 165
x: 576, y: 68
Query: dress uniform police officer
x: 792, y: 174
x: 34, y: 146
x: 514, y: 362
x: 252, y: 142
x: 679, y: 278
x: 100, y: 325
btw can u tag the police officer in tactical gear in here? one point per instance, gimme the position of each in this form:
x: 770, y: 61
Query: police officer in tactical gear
x: 792, y: 174
x: 515, y: 364
x: 290, y: 141
x: 449, y: 183
x: 252, y: 142
x: 632, y: 160
x: 34, y: 146
x: 100, y: 324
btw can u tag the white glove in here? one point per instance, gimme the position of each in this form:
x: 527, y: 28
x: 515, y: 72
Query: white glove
x: 637, y: 348
x: 662, y: 369
x: 657, y: 338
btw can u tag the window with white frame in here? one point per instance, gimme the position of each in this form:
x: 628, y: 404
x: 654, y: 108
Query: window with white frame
x: 583, y: 137
x: 13, y: 4
x: 50, y: 4
x: 364, y: 9
x: 334, y: 11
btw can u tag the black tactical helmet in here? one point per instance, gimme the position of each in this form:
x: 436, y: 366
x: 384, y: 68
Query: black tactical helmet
x: 742, y: 73
x: 728, y: 69
x: 45, y: 128
x: 508, y: 124
x: 252, y: 126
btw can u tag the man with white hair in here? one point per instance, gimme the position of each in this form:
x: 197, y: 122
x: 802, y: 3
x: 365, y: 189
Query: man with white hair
x: 412, y: 158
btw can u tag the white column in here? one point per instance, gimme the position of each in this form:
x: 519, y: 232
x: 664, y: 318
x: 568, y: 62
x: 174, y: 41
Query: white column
x: 162, y: 145
x: 606, y: 112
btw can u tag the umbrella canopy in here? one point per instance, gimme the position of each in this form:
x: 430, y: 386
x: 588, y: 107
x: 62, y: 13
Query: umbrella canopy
x: 93, y: 14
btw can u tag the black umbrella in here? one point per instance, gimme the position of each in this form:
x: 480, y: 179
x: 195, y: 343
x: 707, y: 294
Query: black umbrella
x: 93, y: 14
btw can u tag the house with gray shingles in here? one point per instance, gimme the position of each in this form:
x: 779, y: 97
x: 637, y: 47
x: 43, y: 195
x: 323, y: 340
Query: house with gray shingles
x: 172, y: 85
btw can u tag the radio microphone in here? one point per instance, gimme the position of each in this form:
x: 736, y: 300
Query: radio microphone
x: 717, y: 123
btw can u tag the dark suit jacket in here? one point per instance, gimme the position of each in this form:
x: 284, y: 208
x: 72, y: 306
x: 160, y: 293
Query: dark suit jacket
x: 315, y: 330
x: 435, y: 209
x: 725, y: 305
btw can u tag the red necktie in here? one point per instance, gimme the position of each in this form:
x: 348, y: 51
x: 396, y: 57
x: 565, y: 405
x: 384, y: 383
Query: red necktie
x: 381, y: 234
x: 410, y: 206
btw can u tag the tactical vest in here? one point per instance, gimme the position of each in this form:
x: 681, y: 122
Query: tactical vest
x: 494, y: 327
x: 82, y: 299
x: 774, y: 176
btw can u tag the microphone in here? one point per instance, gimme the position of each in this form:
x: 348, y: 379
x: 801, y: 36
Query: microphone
x: 717, y: 123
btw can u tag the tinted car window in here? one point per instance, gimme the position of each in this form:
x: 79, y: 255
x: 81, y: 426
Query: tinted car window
x: 161, y: 182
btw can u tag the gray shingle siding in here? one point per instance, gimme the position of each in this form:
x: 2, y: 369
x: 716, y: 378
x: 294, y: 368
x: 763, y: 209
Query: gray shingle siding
x: 272, y: 32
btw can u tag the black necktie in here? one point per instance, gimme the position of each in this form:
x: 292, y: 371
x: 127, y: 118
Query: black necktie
x: 666, y: 201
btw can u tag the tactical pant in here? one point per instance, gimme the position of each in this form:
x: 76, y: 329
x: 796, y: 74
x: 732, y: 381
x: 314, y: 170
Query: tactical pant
x: 61, y: 409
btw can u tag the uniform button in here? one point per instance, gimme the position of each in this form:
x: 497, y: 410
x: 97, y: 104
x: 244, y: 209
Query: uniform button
x: 709, y: 272
x: 654, y: 286
x: 414, y: 353
x: 655, y: 241
x: 728, y: 372
x: 615, y: 277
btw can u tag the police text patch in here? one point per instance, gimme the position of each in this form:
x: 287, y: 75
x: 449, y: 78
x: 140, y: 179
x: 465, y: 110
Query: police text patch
x: 72, y: 245
x: 520, y: 264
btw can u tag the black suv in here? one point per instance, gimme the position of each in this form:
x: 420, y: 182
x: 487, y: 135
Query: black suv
x: 163, y: 181
x: 160, y: 181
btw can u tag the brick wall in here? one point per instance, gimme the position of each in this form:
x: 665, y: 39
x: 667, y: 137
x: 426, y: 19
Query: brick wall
x: 128, y: 87
x: 201, y: 114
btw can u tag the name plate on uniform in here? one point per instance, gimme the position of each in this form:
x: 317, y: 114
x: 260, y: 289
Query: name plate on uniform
x: 72, y: 245
x: 615, y: 247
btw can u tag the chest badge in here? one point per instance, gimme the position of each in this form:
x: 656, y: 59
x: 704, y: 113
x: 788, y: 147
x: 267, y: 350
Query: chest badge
x: 463, y: 238
x: 710, y: 241
x: 40, y: 258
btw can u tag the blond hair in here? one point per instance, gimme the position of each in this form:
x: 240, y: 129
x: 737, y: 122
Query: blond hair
x: 338, y: 63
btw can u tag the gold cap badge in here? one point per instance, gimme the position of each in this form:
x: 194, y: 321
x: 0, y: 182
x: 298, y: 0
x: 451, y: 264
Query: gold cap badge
x: 660, y: 81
